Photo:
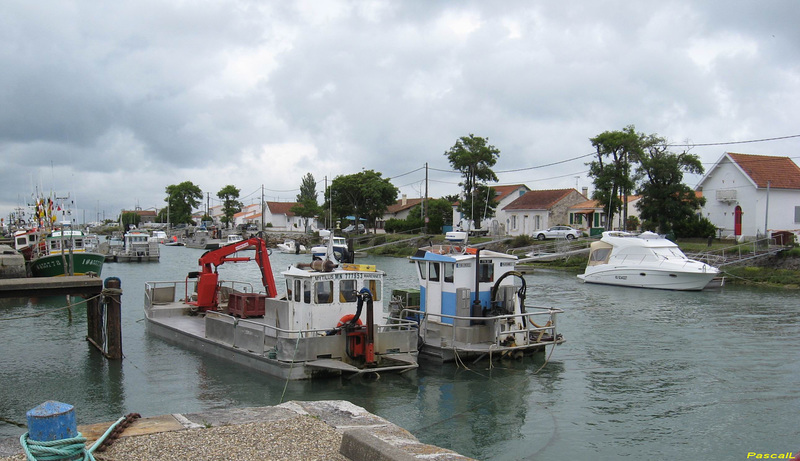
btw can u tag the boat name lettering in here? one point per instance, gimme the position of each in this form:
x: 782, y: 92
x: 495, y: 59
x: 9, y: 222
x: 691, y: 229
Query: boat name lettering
x: 463, y: 264
x: 505, y: 264
x: 621, y: 277
x: 349, y: 276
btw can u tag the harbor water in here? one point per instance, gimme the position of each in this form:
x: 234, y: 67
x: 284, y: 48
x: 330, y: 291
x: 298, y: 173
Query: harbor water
x: 643, y: 373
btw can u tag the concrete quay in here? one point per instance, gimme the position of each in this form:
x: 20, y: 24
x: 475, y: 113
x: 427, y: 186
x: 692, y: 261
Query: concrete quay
x: 327, y: 429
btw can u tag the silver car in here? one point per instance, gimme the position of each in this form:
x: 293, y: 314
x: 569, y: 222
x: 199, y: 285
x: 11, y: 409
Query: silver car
x: 558, y: 232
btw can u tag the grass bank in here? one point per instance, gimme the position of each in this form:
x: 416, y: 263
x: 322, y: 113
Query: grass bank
x: 780, y: 271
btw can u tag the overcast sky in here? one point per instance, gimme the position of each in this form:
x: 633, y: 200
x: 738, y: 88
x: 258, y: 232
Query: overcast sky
x: 111, y: 102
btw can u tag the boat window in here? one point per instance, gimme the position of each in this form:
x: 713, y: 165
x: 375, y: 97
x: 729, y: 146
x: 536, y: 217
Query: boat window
x: 600, y: 254
x: 297, y: 290
x: 307, y: 291
x: 485, y: 272
x: 323, y: 292
x: 347, y: 291
x: 289, y: 289
x: 448, y: 272
x: 433, y: 275
x: 422, y: 270
x: 21, y: 241
x: 374, y: 286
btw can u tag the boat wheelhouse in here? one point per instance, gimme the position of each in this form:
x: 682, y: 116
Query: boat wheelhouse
x: 471, y: 304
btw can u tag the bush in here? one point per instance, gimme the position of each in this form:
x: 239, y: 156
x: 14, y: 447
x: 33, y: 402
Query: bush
x: 694, y: 227
x: 522, y: 241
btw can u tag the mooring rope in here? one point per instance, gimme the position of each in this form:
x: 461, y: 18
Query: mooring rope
x: 69, y: 448
x: 49, y: 311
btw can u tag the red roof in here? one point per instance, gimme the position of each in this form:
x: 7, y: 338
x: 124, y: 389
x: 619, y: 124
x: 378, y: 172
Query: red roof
x: 502, y: 192
x: 398, y: 205
x: 778, y: 172
x: 539, y: 199
x: 281, y: 207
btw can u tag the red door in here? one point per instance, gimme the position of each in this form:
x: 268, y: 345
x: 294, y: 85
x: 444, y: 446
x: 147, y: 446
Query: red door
x: 737, y: 221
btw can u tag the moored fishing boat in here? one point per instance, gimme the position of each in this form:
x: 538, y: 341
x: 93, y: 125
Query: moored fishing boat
x: 138, y: 246
x: 471, y: 304
x: 326, y: 323
x: 646, y: 260
x: 64, y: 253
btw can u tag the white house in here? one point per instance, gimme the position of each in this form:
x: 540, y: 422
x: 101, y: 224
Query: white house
x: 749, y: 195
x: 498, y: 224
x: 540, y: 209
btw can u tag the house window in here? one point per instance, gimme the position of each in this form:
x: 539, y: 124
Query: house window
x: 797, y: 214
x: 514, y: 222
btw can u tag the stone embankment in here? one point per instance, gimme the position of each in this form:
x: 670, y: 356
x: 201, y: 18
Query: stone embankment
x: 328, y: 429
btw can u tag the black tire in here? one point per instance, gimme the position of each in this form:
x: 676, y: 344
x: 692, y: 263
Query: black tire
x: 570, y: 236
x: 540, y: 237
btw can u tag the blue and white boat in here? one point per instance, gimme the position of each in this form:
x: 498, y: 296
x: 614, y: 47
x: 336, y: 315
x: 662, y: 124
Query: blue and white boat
x: 471, y: 304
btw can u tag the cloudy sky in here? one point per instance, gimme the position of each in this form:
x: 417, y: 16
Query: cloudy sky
x: 111, y: 102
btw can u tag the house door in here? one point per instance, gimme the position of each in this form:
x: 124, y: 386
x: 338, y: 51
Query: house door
x: 737, y: 221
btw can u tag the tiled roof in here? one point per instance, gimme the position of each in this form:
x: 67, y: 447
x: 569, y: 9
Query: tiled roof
x: 502, y: 192
x: 281, y: 207
x: 398, y: 205
x: 538, y: 199
x: 779, y: 172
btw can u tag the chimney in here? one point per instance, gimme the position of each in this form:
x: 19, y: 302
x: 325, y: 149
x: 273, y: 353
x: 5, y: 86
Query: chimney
x: 585, y: 192
x: 404, y: 200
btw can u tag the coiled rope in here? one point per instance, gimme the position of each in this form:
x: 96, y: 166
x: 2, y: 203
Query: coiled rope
x: 69, y: 448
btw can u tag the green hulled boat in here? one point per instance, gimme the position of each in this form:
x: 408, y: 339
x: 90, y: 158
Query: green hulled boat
x: 65, y: 254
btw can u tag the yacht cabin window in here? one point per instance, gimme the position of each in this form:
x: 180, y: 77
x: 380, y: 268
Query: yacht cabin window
x: 423, y: 272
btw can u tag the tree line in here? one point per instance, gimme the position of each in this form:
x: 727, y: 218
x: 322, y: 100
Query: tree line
x: 625, y: 163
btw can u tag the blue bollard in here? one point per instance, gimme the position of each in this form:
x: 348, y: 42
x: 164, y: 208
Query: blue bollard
x: 52, y: 421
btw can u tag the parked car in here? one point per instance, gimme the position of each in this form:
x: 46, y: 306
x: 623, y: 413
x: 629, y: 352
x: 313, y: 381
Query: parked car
x: 352, y: 228
x: 558, y: 232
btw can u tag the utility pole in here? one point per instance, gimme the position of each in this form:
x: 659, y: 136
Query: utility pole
x: 766, y: 213
x: 425, y: 202
x: 263, y: 208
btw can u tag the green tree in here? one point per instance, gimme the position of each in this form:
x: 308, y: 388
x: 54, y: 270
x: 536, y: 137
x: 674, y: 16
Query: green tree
x: 666, y: 201
x: 474, y: 158
x: 230, y: 203
x: 616, y: 151
x: 129, y: 218
x: 363, y: 195
x: 307, y: 206
x: 182, y: 199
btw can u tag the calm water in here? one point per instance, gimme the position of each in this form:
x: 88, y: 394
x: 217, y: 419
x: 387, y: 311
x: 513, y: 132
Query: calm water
x: 711, y: 375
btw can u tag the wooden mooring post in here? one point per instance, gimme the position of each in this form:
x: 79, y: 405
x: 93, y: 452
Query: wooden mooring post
x: 103, y: 305
x: 104, y: 320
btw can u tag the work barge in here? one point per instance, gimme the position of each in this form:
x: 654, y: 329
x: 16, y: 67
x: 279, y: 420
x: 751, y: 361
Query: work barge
x: 325, y: 324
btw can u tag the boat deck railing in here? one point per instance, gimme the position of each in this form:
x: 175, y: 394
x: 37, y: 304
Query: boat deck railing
x: 164, y: 292
x: 532, y: 333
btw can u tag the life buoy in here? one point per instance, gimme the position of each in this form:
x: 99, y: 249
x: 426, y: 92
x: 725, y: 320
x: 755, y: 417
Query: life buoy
x: 346, y: 319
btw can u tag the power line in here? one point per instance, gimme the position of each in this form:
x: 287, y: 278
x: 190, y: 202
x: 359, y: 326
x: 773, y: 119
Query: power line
x: 734, y: 142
